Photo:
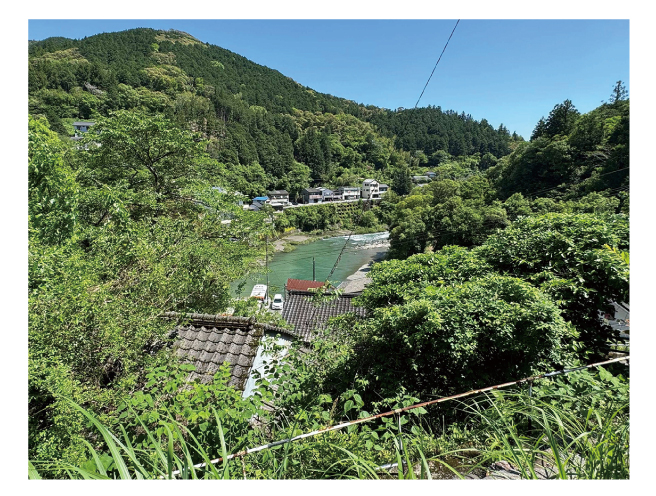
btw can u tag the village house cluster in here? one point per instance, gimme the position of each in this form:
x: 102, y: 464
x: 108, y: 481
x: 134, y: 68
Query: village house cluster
x: 279, y: 199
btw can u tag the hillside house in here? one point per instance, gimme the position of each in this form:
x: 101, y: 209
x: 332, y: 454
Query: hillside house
x: 279, y: 198
x: 382, y: 188
x: 207, y: 341
x: 431, y: 175
x: 370, y: 189
x: 328, y: 195
x: 259, y: 202
x: 349, y: 192
x: 311, y: 195
x: 82, y: 126
x: 420, y: 179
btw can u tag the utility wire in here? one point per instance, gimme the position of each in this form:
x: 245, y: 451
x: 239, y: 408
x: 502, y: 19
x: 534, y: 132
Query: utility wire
x: 405, y: 409
x: 438, y: 61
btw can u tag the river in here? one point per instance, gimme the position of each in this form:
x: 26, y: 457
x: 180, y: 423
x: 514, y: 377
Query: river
x: 297, y: 264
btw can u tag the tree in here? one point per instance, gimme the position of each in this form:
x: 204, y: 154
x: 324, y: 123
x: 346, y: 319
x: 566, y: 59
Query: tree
x: 146, y: 156
x: 540, y: 129
x: 565, y: 255
x: 52, y: 189
x: 561, y: 119
x: 453, y: 337
x: 401, y: 180
x: 619, y: 93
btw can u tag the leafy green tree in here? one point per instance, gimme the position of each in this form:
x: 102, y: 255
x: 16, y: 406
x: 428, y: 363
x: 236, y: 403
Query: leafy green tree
x: 540, y: 129
x: 401, y: 181
x: 456, y: 337
x: 561, y: 119
x: 142, y: 153
x: 565, y: 255
x: 52, y: 189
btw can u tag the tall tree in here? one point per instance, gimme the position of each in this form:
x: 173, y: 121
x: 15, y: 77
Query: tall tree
x: 619, y: 92
x: 561, y: 119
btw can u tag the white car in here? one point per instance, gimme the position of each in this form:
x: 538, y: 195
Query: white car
x: 276, y: 304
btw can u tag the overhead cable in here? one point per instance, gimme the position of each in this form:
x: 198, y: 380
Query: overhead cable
x: 438, y: 61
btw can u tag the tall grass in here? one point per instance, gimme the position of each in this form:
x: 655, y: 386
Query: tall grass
x: 546, y: 440
x: 540, y: 438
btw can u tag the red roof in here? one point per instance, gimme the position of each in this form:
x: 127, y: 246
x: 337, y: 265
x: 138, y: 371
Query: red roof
x: 302, y: 285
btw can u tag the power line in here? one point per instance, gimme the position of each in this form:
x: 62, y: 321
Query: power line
x: 438, y: 61
x: 405, y: 409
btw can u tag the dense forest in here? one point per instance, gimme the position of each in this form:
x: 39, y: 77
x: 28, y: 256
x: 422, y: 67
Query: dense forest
x: 266, y: 130
x: 498, y: 269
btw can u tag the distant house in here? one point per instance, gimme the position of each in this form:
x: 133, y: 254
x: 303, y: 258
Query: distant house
x: 370, y: 189
x: 431, y: 175
x: 382, y: 188
x: 279, y: 198
x: 420, y: 179
x: 82, y: 126
x: 349, y: 192
x: 328, y: 195
x: 259, y: 202
x: 312, y: 195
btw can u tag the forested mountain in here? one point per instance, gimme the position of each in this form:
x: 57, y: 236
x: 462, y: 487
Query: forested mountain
x: 431, y: 130
x: 264, y: 128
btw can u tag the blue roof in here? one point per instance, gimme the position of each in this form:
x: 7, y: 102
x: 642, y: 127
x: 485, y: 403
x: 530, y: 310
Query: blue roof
x: 261, y: 198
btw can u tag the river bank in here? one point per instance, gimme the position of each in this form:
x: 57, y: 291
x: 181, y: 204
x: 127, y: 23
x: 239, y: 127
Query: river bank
x: 357, y: 281
x: 289, y: 242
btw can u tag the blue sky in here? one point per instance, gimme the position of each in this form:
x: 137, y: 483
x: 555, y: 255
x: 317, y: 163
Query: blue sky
x: 506, y: 71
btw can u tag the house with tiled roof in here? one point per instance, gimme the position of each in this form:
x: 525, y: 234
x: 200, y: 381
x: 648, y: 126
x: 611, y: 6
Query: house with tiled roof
x: 207, y: 341
x: 307, y: 315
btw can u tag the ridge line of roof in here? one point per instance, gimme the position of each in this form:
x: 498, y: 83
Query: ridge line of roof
x: 243, y: 322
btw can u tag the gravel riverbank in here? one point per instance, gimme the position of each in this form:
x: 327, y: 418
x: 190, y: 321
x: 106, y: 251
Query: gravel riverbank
x: 356, y: 282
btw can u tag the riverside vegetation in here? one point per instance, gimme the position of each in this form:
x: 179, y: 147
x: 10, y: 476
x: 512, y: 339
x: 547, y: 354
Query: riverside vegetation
x: 498, y: 269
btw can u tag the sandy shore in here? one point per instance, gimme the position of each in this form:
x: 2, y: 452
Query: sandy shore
x: 356, y: 282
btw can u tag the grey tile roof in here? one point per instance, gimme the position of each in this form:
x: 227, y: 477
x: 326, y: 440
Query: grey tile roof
x: 306, y: 316
x: 207, y: 341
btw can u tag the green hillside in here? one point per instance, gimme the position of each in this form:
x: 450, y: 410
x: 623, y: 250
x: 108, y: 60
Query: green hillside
x: 261, y: 125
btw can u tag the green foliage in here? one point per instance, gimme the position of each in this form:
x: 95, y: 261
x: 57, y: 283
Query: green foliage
x: 564, y: 254
x: 432, y: 130
x: 118, y: 250
x: 575, y: 427
x: 53, y: 191
x: 458, y: 337
x: 570, y: 154
x: 141, y: 154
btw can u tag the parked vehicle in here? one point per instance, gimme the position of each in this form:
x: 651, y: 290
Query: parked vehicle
x: 276, y: 304
x: 259, y: 292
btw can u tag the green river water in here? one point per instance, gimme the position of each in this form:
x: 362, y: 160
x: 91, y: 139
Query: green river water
x: 297, y: 264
